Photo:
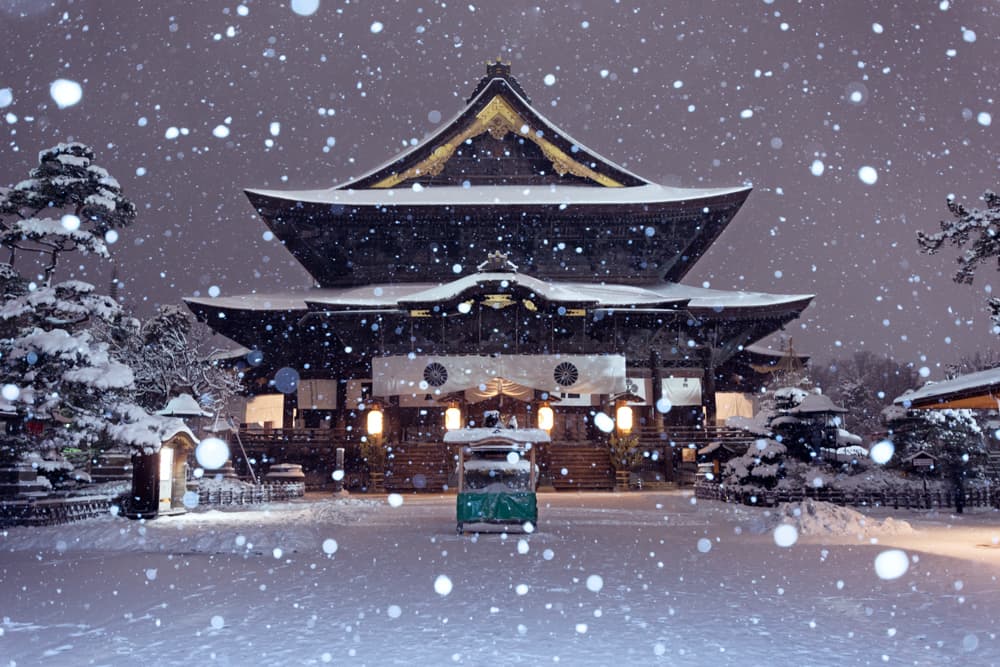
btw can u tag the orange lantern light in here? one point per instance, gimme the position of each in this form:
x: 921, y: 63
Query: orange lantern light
x: 375, y: 420
x: 623, y: 418
x: 546, y: 418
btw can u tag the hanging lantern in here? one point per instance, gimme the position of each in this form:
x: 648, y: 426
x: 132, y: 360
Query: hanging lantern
x: 546, y: 418
x: 375, y: 420
x: 623, y: 417
x: 453, y: 417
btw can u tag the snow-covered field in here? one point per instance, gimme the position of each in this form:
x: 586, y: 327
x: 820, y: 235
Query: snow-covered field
x: 650, y: 578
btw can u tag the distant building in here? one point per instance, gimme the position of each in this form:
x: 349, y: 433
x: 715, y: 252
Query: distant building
x: 498, y: 265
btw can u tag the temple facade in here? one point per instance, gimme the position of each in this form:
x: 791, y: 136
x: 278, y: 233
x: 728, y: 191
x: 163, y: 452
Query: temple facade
x: 499, y: 265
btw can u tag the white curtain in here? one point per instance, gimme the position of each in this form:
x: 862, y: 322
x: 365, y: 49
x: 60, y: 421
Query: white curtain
x: 439, y: 375
x: 732, y: 404
x: 682, y: 391
x: 499, y: 386
x: 265, y: 410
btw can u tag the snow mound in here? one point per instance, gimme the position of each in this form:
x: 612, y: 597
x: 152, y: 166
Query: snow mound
x: 287, y: 527
x: 813, y: 517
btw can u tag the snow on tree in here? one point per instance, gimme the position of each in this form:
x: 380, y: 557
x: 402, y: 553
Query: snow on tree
x: 59, y: 376
x: 866, y: 383
x: 62, y: 383
x: 952, y: 436
x: 67, y: 204
x: 978, y: 232
x: 762, y: 466
x: 166, y: 359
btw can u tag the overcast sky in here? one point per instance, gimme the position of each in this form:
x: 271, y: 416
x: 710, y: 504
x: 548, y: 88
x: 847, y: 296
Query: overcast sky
x: 793, y: 97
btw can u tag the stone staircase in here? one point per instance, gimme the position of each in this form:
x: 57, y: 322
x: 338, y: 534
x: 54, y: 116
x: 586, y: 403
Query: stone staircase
x: 579, y: 467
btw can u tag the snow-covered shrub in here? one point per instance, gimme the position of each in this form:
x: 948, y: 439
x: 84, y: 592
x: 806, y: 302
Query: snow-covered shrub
x: 952, y: 436
x: 761, y: 467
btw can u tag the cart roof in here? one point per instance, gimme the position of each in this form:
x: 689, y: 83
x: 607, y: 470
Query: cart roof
x: 496, y: 438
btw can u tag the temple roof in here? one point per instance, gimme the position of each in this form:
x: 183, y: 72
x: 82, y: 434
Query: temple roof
x: 978, y: 390
x: 497, y: 195
x: 401, y: 295
x: 500, y: 108
x: 498, y: 172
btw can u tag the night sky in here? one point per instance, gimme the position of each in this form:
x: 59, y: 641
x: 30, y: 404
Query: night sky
x: 792, y: 97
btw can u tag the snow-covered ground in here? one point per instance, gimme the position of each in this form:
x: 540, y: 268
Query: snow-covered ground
x: 650, y: 578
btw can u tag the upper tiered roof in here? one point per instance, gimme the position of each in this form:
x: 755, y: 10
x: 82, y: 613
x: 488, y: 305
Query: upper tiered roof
x: 499, y: 174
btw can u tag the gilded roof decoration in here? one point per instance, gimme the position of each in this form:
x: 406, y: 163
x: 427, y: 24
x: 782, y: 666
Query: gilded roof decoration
x: 498, y: 118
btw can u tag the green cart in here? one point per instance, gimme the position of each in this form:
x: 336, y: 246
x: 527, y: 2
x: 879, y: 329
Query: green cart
x: 497, y: 477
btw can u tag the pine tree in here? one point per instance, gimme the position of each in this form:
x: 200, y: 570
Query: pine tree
x: 67, y: 204
x: 58, y: 374
x: 978, y: 232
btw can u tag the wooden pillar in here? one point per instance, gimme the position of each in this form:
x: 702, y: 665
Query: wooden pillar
x: 289, y: 404
x: 708, y: 389
x: 657, y: 393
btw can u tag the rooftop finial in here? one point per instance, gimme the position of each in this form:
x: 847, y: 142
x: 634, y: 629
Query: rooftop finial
x: 497, y: 261
x: 498, y: 69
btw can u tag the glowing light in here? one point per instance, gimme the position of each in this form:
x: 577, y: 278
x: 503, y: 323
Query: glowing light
x: 624, y: 418
x: 546, y: 417
x: 374, y: 421
x: 453, y: 418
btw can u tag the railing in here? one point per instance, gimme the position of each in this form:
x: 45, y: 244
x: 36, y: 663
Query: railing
x: 52, y: 511
x: 989, y: 497
x: 679, y: 436
x: 294, y: 436
x: 682, y: 436
x: 252, y: 494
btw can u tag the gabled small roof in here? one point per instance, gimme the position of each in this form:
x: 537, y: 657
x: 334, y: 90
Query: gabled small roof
x: 816, y: 404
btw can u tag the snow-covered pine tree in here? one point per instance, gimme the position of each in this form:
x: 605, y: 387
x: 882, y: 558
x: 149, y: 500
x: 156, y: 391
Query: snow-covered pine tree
x: 57, y: 373
x: 978, y: 231
x: 953, y: 436
x: 67, y: 204
x: 62, y: 384
x: 761, y: 467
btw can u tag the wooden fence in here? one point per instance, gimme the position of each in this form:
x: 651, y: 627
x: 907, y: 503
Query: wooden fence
x: 252, y: 494
x: 989, y: 497
x: 52, y: 511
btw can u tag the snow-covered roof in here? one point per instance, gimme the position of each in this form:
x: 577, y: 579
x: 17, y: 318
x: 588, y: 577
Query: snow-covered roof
x: 981, y: 382
x: 604, y: 295
x: 496, y: 85
x: 183, y: 405
x: 485, y: 437
x: 499, y: 195
x: 816, y: 404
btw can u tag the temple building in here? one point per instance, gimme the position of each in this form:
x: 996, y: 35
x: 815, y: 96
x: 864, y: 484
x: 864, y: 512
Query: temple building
x: 498, y: 265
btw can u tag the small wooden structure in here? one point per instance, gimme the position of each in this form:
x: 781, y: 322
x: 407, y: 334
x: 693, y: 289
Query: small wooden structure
x: 159, y: 479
